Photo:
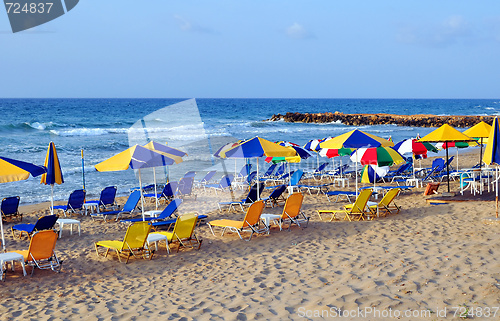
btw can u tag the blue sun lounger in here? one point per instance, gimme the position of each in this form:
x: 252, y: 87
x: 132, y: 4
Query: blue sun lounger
x: 276, y: 196
x: 128, y: 207
x: 107, y: 198
x: 10, y: 208
x: 75, y: 202
x: 165, y: 214
x: 44, y: 223
x: 249, y: 200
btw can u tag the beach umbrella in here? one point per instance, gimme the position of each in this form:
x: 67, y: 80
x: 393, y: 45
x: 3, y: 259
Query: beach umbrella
x: 258, y: 147
x: 335, y: 152
x: 135, y: 157
x: 167, y: 151
x: 380, y: 156
x: 356, y: 139
x: 479, y: 131
x: 313, y: 146
x: 12, y: 170
x: 373, y: 173
x: 457, y: 145
x: 54, y: 174
x: 446, y: 134
x: 416, y: 148
x: 492, y: 154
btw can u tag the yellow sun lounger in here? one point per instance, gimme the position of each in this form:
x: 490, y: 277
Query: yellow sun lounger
x: 183, y: 232
x: 40, y: 253
x: 354, y: 211
x: 132, y: 244
x: 386, y: 204
x: 250, y: 223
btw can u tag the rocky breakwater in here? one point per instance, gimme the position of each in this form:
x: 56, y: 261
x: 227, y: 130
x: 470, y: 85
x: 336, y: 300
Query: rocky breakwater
x: 383, y: 119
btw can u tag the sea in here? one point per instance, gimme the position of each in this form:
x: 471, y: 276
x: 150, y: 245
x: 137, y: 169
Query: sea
x: 101, y: 128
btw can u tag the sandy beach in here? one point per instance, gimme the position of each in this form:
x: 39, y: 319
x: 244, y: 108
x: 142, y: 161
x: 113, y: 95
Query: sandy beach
x: 429, y: 262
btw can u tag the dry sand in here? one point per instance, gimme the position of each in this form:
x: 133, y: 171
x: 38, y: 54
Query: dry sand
x: 422, y: 261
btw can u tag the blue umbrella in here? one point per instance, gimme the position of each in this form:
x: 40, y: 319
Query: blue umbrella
x: 492, y: 153
x: 54, y: 174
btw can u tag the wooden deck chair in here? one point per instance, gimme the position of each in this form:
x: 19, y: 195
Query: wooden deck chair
x: 183, y: 232
x: 132, y: 244
x: 40, y: 253
x: 355, y: 211
x: 291, y: 213
x: 251, y: 222
x: 386, y: 204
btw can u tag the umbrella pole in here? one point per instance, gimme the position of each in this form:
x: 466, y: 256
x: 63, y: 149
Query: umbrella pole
x: 51, y: 199
x: 258, y: 185
x: 356, y: 174
x: 480, y: 156
x: 142, y: 198
x: 83, y: 171
x: 496, y: 192
x: 156, y: 195
x: 3, y: 236
x: 447, y: 167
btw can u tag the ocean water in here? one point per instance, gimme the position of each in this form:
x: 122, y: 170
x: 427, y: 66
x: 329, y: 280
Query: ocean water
x: 105, y: 127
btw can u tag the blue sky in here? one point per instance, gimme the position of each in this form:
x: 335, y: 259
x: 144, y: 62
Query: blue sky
x: 261, y: 49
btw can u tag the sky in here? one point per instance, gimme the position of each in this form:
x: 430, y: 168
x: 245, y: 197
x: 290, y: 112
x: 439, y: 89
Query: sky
x: 257, y: 49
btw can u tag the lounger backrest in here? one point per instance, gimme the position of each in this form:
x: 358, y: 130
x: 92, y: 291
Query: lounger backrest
x: 169, y: 189
x: 389, y: 197
x: 45, y: 222
x: 439, y: 163
x: 361, y: 201
x: 252, y: 216
x: 76, y: 199
x: 295, y: 178
x: 10, y: 205
x: 189, y: 174
x: 184, y: 226
x: 321, y: 168
x: 42, y: 245
x: 245, y: 170
x: 280, y: 170
x: 132, y: 201
x: 226, y: 180
x: 251, y: 177
x: 185, y: 186
x: 108, y: 196
x: 208, y: 177
x: 252, y: 194
x: 293, y: 205
x: 277, y: 191
x: 170, y: 209
x: 136, y: 235
x: 270, y: 170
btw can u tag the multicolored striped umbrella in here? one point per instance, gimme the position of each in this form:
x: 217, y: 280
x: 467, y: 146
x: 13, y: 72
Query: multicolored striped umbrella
x: 411, y: 145
x: 334, y: 152
x: 373, y: 173
x: 381, y: 156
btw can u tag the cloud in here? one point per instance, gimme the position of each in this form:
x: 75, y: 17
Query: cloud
x: 450, y: 31
x: 297, y: 31
x: 188, y: 26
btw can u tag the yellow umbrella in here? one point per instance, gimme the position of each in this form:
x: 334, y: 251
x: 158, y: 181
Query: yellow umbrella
x: 446, y: 133
x: 479, y: 131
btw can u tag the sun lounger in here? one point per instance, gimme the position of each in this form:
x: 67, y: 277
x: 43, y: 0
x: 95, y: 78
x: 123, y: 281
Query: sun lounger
x: 224, y: 184
x: 276, y: 196
x: 128, y: 208
x: 356, y: 211
x: 185, y: 188
x: 183, y: 232
x: 75, y: 202
x: 340, y: 194
x: 206, y: 179
x: 167, y: 193
x: 43, y: 223
x: 132, y: 244
x: 292, y: 213
x: 106, y: 199
x: 386, y: 204
x: 10, y: 208
x: 40, y: 253
x: 167, y: 213
x: 251, y: 222
x: 251, y: 198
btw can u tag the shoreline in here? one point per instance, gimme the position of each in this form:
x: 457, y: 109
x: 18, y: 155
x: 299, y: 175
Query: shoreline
x: 417, y: 120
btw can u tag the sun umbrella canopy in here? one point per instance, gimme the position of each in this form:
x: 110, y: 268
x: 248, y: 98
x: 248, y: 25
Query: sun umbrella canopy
x: 381, y: 156
x: 371, y: 171
x: 334, y: 152
x: 313, y: 145
x: 355, y: 139
x: 258, y: 147
x: 135, y: 157
x: 413, y: 146
x: 158, y: 147
x: 221, y: 152
x: 12, y: 170
x: 480, y: 130
x: 445, y: 133
x: 54, y: 173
